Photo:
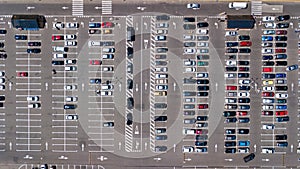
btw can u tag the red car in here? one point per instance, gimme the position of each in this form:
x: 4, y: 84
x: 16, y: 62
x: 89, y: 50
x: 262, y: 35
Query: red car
x: 107, y: 25
x: 201, y: 131
x: 22, y: 74
x: 57, y: 37
x: 95, y: 62
x: 245, y: 43
x: 231, y: 88
x: 242, y: 113
x: 280, y: 50
x: 203, y: 106
x: 267, y: 113
x: 244, y: 69
x: 281, y: 113
x: 281, y: 32
x: 267, y: 69
x: 268, y: 94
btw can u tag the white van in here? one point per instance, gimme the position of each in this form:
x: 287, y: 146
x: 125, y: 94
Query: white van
x: 238, y: 5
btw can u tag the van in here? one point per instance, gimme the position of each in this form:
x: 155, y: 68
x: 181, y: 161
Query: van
x: 238, y: 5
x: 130, y: 34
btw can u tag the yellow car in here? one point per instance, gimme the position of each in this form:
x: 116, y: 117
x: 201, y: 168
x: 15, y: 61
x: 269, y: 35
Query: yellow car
x: 268, y: 82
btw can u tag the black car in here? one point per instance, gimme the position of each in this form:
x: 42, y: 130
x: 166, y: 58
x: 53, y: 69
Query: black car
x: 34, y: 43
x: 130, y: 103
x: 244, y: 100
x: 202, y: 24
x: 267, y: 57
x: 232, y: 50
x: 229, y: 113
x: 244, y: 37
x: 231, y: 69
x: 280, y: 44
x: 58, y: 62
x: 230, y: 131
x: 2, y: 98
x: 268, y: 63
x: 200, y: 81
x: 160, y: 105
x: 281, y: 88
x: 189, y: 44
x: 189, y: 26
x: 34, y: 50
x: 202, y: 118
x: 231, y: 120
x: 202, y: 94
x: 283, y: 25
x: 202, y: 57
x: 69, y: 106
x: 129, y: 84
x: 3, y: 31
x: 249, y: 157
x: 203, y: 88
x: 129, y: 52
x: 281, y: 137
x: 189, y: 19
x: 230, y: 150
x: 280, y: 56
x: 280, y: 38
x: 230, y: 143
x: 231, y: 44
x: 129, y: 119
x: 269, y: 76
x: 244, y: 50
x: 160, y: 118
x: 281, y: 63
x: 160, y: 148
x: 3, y: 55
x: 243, y: 75
x: 20, y: 37
x: 1, y: 45
x: 243, y: 62
x: 283, y: 18
x: 162, y: 18
x: 243, y: 131
x: 200, y: 143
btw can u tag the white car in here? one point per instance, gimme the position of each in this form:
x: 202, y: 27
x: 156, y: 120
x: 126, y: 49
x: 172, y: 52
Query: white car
x: 187, y: 149
x: 202, y: 31
x: 71, y: 99
x: 58, y: 25
x: 162, y: 31
x: 60, y: 49
x: 267, y: 150
x: 160, y: 38
x: 2, y: 80
x: 70, y: 87
x: 70, y: 68
x: 231, y: 62
x: 281, y: 95
x: 268, y: 88
x: 107, y: 87
x: 161, y: 69
x: 268, y: 19
x: 230, y: 100
x: 161, y: 87
x: 70, y: 43
x: 202, y: 75
x: 266, y: 50
x: 246, y: 81
x: 2, y: 87
x: 270, y: 25
x: 72, y: 25
x: 190, y: 69
x: 107, y: 69
x: 34, y: 105
x: 231, y: 33
x: 72, y: 117
x: 189, y: 63
x: 59, y: 55
x: 32, y: 98
x: 193, y: 6
x: 230, y: 75
x: 2, y: 74
x: 243, y: 150
x: 70, y: 37
x: 188, y: 37
x: 104, y: 93
x: 161, y: 76
x: 189, y: 51
x: 268, y: 100
x: 267, y: 107
x: 244, y: 94
x: 161, y: 81
x: 70, y: 61
x: 189, y: 100
x: 268, y: 126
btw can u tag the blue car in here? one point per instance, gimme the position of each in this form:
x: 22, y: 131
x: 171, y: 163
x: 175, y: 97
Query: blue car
x: 281, y: 107
x: 94, y: 25
x: 267, y: 57
x: 21, y: 37
x: 280, y: 75
x: 266, y: 38
x: 282, y: 119
x: 244, y: 143
x: 282, y: 144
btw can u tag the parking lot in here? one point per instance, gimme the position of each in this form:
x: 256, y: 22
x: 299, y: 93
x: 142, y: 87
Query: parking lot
x: 121, y: 84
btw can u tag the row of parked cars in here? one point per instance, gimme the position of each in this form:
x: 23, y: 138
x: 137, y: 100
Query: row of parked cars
x: 274, y: 88
x: 195, y: 105
x: 237, y: 100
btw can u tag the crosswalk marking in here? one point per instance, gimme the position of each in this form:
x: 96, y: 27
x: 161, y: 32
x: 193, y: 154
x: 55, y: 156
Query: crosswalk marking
x: 106, y: 7
x: 77, y: 7
x: 256, y: 7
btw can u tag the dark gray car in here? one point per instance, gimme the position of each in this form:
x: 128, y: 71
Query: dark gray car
x: 160, y: 105
x: 189, y: 26
x: 130, y: 103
